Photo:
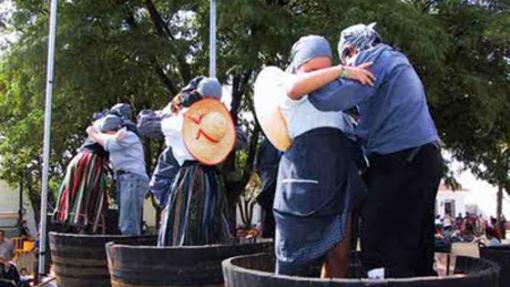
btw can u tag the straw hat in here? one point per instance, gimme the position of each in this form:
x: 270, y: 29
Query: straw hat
x: 269, y: 93
x: 209, y: 132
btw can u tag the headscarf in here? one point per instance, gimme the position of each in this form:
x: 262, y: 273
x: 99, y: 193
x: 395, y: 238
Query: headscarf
x: 122, y: 110
x: 210, y: 87
x: 109, y: 123
x: 306, y: 49
x: 200, y: 87
x: 361, y: 36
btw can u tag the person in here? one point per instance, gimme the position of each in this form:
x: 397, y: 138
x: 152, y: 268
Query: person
x: 317, y: 176
x: 196, y: 207
x: 266, y: 165
x: 502, y: 227
x: 24, y: 278
x: 24, y: 231
x: 128, y: 162
x: 492, y: 236
x: 6, y: 247
x: 125, y: 112
x: 9, y: 276
x: 401, y: 140
x: 82, y: 199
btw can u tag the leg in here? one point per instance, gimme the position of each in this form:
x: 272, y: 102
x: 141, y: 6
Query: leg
x: 131, y: 204
x: 431, y: 164
x: 337, y: 259
x: 390, y: 217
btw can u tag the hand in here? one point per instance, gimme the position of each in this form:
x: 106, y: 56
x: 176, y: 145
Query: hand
x: 361, y: 73
x: 91, y: 130
x: 175, y: 105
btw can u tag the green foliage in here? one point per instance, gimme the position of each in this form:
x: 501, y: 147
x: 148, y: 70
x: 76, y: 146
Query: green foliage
x: 143, y: 51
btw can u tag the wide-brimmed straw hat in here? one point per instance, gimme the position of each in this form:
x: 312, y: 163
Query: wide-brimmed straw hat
x: 269, y: 93
x: 209, y: 132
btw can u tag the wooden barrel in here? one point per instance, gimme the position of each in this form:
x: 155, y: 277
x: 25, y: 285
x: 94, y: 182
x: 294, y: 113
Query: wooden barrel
x: 500, y: 255
x: 257, y: 270
x: 149, y: 266
x: 80, y: 260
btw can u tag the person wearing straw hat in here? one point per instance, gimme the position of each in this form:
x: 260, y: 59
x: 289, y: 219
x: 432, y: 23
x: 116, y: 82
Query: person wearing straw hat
x: 128, y: 162
x: 82, y: 200
x: 401, y: 140
x: 201, y: 134
x: 317, y: 176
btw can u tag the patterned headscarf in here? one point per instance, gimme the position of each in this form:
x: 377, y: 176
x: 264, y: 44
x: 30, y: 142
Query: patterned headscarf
x: 360, y: 36
x: 306, y: 49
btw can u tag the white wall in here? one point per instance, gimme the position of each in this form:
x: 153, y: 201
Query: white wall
x: 458, y: 197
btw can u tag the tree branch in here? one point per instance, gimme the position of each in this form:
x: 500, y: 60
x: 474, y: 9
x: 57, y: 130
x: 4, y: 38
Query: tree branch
x: 164, y: 32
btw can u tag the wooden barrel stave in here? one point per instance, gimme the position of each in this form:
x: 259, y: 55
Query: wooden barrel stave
x: 142, y: 266
x: 80, y: 260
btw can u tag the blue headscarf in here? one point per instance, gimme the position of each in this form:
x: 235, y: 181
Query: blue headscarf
x: 361, y: 36
x: 110, y: 123
x: 306, y: 49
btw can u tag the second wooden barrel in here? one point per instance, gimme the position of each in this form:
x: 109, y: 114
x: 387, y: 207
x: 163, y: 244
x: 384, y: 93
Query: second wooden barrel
x: 80, y: 260
x: 149, y: 266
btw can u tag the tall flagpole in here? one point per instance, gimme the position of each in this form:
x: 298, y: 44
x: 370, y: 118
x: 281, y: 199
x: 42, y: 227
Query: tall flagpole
x: 47, y: 133
x: 212, y: 39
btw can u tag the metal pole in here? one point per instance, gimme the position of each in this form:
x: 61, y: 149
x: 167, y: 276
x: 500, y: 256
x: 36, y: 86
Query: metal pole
x: 212, y: 40
x: 47, y: 134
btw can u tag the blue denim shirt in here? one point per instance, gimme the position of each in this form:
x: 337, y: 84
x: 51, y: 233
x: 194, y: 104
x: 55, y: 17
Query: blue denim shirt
x: 126, y: 153
x: 394, y: 112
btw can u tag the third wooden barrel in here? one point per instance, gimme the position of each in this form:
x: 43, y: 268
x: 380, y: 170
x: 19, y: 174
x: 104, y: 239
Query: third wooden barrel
x: 80, y: 260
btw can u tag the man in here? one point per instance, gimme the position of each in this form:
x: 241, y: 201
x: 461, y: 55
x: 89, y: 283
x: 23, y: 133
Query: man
x: 401, y: 140
x: 127, y: 159
x: 9, y: 275
x: 6, y: 247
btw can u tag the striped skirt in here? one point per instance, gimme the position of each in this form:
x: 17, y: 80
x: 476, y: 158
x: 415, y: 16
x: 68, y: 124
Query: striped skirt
x: 82, y: 195
x: 196, y: 210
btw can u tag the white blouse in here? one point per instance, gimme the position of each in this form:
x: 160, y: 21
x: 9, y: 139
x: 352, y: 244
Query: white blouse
x: 172, y: 130
x: 301, y: 116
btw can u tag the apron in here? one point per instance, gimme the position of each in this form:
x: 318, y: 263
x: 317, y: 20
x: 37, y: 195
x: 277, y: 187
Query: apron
x: 318, y: 183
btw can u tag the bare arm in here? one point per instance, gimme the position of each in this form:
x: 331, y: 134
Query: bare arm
x: 101, y: 138
x: 309, y: 82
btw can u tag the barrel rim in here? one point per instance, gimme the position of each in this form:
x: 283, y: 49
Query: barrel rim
x: 503, y: 247
x: 227, y: 264
x: 113, y: 236
x: 113, y: 244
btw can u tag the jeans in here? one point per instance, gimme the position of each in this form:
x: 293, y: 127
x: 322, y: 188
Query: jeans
x: 131, y: 190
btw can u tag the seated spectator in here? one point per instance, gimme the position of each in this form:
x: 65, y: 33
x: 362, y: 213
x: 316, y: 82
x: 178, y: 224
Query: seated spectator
x: 6, y: 247
x: 9, y: 276
x: 492, y: 235
x: 24, y: 278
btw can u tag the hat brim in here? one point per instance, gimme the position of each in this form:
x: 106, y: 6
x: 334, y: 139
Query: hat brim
x: 269, y: 93
x: 204, y: 150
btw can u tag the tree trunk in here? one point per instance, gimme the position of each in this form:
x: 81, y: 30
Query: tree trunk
x: 499, y: 210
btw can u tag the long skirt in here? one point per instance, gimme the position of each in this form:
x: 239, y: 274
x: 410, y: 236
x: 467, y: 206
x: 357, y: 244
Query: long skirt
x: 196, y: 210
x: 82, y: 198
x: 318, y: 183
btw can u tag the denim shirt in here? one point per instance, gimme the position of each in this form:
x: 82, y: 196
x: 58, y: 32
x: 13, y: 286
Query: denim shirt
x: 394, y: 112
x: 126, y: 153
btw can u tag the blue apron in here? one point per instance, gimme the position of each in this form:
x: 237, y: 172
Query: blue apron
x: 317, y: 183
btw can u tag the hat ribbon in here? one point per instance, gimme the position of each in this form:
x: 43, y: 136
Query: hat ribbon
x: 201, y: 132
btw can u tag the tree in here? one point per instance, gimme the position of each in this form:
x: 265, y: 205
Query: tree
x: 143, y: 51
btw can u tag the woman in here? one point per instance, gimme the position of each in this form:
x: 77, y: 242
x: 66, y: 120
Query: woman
x: 317, y: 176
x: 195, y: 212
x: 82, y: 198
